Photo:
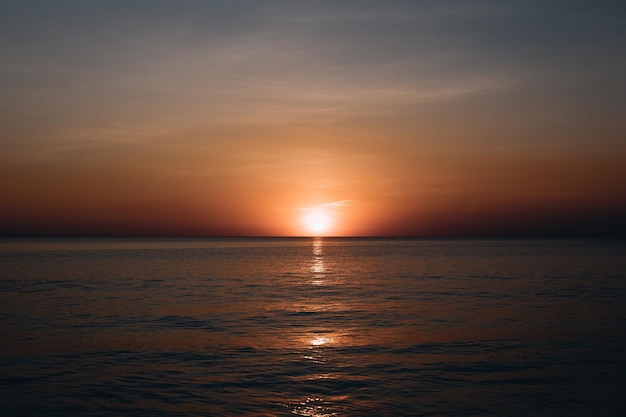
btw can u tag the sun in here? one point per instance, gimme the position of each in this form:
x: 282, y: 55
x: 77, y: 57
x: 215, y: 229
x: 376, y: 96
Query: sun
x: 317, y: 221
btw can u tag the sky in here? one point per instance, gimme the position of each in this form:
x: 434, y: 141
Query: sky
x: 373, y: 118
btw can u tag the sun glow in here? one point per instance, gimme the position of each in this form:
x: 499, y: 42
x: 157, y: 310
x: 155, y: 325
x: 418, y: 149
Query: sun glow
x: 317, y: 221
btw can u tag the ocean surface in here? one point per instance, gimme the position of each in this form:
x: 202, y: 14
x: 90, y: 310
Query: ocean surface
x: 312, y: 327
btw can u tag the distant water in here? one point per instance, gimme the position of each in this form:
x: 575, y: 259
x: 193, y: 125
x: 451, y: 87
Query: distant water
x: 312, y: 327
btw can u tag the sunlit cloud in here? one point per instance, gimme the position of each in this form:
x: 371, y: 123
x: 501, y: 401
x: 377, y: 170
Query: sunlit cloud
x: 340, y: 203
x: 330, y: 205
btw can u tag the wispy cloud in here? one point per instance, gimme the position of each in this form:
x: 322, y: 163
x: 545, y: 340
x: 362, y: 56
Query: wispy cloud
x: 336, y: 204
x: 330, y: 205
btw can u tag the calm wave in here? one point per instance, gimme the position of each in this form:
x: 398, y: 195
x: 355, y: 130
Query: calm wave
x: 312, y: 327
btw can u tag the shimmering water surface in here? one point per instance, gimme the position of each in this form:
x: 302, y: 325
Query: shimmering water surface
x: 312, y: 327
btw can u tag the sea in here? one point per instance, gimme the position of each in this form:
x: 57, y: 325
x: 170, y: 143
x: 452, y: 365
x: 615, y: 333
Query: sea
x: 314, y: 327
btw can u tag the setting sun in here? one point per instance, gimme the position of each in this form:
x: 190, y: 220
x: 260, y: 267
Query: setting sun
x: 317, y: 221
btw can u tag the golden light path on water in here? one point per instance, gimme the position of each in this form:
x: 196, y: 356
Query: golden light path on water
x: 319, y: 268
x: 316, y: 341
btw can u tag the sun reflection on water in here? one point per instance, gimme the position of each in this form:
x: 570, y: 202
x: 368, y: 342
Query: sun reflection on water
x: 313, y: 407
x: 318, y: 247
x: 318, y: 339
x: 318, y: 267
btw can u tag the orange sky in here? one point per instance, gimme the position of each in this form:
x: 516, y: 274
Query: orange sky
x: 398, y: 118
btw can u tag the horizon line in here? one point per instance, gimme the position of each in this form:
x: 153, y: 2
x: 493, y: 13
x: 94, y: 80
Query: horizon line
x: 430, y: 237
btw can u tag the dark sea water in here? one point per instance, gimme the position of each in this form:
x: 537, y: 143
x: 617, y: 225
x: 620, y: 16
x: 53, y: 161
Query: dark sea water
x: 312, y: 327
